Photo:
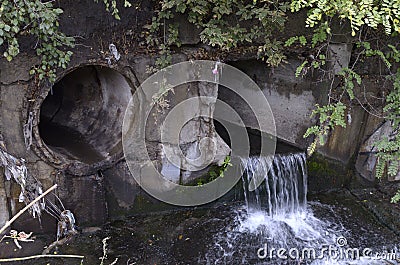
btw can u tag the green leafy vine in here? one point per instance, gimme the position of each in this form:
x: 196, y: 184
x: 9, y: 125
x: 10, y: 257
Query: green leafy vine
x: 224, y: 25
x: 39, y: 20
x: 363, y: 16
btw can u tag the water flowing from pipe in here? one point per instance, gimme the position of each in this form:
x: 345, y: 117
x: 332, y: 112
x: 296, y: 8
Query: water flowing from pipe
x: 277, y: 215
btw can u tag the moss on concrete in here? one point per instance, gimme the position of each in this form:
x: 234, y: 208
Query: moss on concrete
x: 320, y: 167
x: 327, y: 174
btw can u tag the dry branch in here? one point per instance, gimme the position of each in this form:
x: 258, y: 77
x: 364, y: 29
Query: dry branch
x: 8, y: 223
x: 41, y: 256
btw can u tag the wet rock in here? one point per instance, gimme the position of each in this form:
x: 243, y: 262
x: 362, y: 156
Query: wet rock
x: 377, y: 201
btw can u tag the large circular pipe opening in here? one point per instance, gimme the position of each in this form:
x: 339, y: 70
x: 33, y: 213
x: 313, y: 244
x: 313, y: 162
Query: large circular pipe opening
x: 81, y: 118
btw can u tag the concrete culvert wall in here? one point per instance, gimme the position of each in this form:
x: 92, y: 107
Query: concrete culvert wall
x: 81, y: 118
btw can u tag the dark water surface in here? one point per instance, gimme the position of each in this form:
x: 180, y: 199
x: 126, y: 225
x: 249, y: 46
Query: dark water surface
x: 194, y: 236
x: 275, y: 215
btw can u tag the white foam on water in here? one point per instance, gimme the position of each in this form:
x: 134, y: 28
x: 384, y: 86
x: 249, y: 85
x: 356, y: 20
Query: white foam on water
x: 277, y: 214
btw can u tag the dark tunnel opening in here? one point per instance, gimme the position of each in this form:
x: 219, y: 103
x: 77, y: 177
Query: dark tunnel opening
x: 255, y: 139
x: 81, y: 118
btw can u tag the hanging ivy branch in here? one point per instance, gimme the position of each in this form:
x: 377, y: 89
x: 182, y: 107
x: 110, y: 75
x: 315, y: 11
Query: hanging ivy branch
x: 224, y: 25
x: 41, y: 21
x: 330, y: 116
x: 363, y: 14
x: 389, y: 147
x: 385, y: 13
x: 111, y: 6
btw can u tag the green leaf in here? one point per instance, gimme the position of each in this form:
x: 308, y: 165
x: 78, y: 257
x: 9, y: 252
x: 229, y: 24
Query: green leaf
x: 300, y: 68
x: 58, y: 11
x: 396, y: 198
x: 303, y: 40
x: 127, y: 4
x: 393, y: 168
x: 290, y: 41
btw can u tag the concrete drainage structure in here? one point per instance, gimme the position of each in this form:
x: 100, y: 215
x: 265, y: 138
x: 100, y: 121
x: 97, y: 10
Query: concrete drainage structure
x: 77, y: 121
x: 80, y: 119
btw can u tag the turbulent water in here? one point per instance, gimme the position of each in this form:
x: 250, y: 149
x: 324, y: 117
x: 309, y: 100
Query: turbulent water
x: 278, y: 226
x: 275, y: 217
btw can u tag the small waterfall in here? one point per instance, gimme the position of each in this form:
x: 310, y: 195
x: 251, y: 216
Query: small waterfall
x: 277, y: 208
x: 283, y: 189
x: 276, y: 215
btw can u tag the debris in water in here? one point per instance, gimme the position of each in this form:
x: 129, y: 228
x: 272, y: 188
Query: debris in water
x: 30, y: 187
x: 66, y: 225
x: 21, y: 236
x: 349, y: 118
x: 114, y: 51
x: 28, y: 131
x: 217, y: 70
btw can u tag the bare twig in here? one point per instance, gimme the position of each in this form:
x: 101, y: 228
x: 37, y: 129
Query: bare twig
x: 54, y: 244
x: 42, y: 256
x: 114, y: 262
x: 104, y: 250
x: 8, y: 223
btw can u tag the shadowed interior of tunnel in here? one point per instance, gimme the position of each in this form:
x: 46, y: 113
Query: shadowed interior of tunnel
x: 81, y: 118
x: 255, y: 137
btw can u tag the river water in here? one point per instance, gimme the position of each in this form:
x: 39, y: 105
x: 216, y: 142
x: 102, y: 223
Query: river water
x: 274, y: 224
x: 278, y: 226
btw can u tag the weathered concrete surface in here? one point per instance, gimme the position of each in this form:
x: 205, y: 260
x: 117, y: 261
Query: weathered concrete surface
x: 343, y: 143
x: 17, y: 71
x: 178, y: 140
x: 4, y: 211
x: 339, y: 56
x: 90, y: 208
x: 291, y: 99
